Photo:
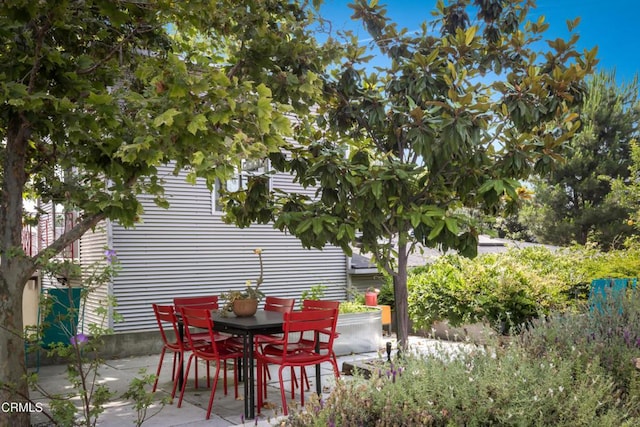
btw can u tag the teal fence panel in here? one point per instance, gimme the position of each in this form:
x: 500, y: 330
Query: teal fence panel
x: 61, y: 322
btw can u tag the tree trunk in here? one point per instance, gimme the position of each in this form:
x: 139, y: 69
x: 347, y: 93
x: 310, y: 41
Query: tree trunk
x: 13, y: 386
x: 15, y: 269
x: 401, y: 295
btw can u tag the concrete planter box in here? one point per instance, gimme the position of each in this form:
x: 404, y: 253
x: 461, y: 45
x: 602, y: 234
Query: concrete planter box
x: 359, y: 332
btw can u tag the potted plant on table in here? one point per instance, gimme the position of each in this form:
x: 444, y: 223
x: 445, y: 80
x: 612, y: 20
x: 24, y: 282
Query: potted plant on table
x: 244, y: 303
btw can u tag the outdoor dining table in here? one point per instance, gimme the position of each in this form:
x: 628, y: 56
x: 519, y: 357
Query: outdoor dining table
x: 263, y: 322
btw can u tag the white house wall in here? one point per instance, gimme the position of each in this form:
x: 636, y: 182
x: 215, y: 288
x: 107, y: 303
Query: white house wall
x: 188, y: 250
x: 92, y: 247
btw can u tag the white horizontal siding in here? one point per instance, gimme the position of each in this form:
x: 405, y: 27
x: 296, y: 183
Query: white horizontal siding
x: 92, y: 247
x: 188, y: 250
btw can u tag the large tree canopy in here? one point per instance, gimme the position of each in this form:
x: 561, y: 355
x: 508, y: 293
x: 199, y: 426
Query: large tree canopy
x: 572, y: 204
x: 398, y: 155
x: 97, y: 94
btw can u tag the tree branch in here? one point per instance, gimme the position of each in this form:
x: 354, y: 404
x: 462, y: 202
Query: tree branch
x: 68, y: 238
x: 116, y: 49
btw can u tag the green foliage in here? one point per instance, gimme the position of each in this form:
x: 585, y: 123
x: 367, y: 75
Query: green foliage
x: 95, y: 96
x: 506, y: 290
x: 608, y: 334
x: 574, y: 203
x: 567, y: 369
x: 142, y: 398
x: 82, y: 354
x: 396, y: 155
x: 627, y: 192
x: 354, y: 307
x: 386, y: 297
x: 316, y: 292
x: 506, y: 387
x: 625, y: 262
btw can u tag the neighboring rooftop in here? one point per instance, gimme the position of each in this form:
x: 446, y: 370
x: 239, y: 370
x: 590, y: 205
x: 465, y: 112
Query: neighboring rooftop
x: 361, y: 264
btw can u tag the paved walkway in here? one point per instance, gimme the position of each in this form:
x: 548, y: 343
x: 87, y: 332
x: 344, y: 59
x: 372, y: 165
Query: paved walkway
x: 227, y: 411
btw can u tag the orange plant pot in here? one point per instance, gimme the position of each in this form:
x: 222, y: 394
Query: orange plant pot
x: 245, y: 307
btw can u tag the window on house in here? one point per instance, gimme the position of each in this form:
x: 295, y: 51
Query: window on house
x: 239, y: 181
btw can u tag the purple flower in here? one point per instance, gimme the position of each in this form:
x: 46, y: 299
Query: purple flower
x: 109, y: 255
x: 79, y: 339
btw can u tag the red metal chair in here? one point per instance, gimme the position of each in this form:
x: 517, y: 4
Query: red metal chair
x: 168, y: 325
x: 204, y: 301
x: 280, y: 305
x: 216, y: 351
x: 287, y: 352
x: 209, y: 302
x: 324, y: 346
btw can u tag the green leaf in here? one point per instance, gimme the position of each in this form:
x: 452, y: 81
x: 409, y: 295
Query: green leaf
x: 376, y: 189
x: 437, y: 229
x: 304, y: 226
x: 452, y: 225
x: 469, y: 35
x: 415, y: 219
x: 102, y: 99
x: 166, y: 118
x: 199, y: 123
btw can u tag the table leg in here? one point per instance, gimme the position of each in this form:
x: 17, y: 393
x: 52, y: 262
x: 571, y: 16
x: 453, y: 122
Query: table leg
x: 245, y: 374
x: 251, y: 379
x: 318, y: 381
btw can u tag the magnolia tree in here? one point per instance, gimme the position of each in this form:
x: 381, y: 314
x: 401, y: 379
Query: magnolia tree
x: 465, y: 108
x: 97, y: 94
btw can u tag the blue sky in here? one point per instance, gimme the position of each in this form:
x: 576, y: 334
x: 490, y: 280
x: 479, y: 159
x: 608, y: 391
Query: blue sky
x: 610, y: 25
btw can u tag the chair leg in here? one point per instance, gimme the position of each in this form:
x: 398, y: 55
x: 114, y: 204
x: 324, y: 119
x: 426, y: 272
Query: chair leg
x: 225, y: 377
x: 176, y: 373
x: 213, y: 389
x: 196, y: 372
x: 303, y: 373
x: 334, y: 362
x: 155, y: 384
x: 294, y: 378
x: 265, y: 373
x: 184, y: 383
x: 235, y: 376
x: 285, y: 410
x: 335, y: 365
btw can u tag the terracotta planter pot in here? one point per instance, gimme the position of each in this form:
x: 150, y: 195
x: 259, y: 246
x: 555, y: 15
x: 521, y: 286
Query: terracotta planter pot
x: 245, y: 307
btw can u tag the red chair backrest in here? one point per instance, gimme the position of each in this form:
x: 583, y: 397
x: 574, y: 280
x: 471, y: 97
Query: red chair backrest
x: 204, y: 301
x: 198, y: 318
x: 165, y: 316
x: 310, y: 304
x: 281, y: 305
x: 323, y: 321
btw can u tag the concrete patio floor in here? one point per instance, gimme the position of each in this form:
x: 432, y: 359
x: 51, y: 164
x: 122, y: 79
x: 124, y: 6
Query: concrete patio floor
x: 226, y: 411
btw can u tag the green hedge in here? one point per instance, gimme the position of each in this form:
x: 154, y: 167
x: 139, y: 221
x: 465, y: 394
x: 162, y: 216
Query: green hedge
x: 508, y: 290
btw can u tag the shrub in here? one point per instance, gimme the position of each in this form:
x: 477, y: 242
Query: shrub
x: 610, y: 335
x: 386, y: 295
x: 509, y: 388
x: 568, y: 370
x: 506, y: 290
